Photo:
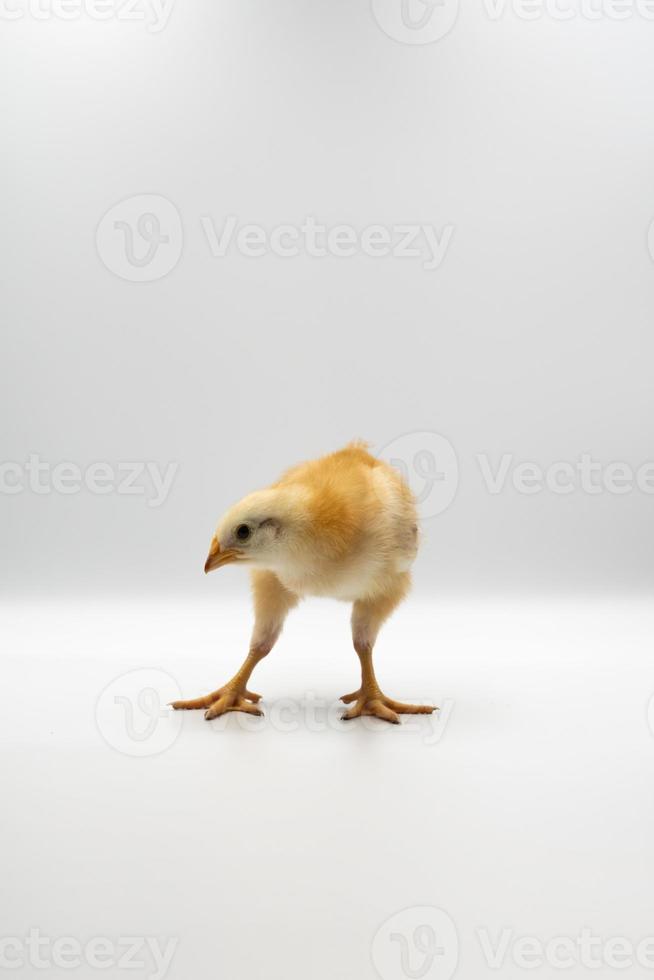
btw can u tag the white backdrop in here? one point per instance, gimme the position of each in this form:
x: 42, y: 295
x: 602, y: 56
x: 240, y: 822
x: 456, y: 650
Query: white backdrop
x: 237, y: 234
x: 518, y: 153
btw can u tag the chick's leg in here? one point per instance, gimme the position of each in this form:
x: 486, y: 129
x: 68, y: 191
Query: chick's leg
x: 367, y: 618
x: 272, y: 603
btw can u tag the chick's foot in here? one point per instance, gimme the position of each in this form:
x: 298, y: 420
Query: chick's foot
x: 227, y: 698
x: 378, y: 705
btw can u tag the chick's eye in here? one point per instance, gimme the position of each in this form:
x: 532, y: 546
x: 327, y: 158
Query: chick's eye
x: 243, y: 532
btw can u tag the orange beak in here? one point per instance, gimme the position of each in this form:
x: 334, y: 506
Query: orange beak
x: 216, y: 557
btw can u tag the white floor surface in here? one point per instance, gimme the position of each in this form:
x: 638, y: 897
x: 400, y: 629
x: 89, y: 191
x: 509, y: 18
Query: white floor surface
x: 279, y: 848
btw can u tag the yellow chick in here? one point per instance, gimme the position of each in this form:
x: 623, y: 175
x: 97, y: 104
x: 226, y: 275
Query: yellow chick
x: 343, y: 526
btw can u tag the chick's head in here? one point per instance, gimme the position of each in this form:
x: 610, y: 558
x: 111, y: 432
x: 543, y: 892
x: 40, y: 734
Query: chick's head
x: 260, y: 529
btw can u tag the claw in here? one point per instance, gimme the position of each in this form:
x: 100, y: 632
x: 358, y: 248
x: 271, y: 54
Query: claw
x: 221, y: 701
x: 231, y: 702
x: 195, y: 703
x: 379, y: 706
x: 348, y: 698
x: 410, y: 709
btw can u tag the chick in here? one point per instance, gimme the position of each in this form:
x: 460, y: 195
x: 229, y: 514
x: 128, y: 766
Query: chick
x: 343, y: 526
